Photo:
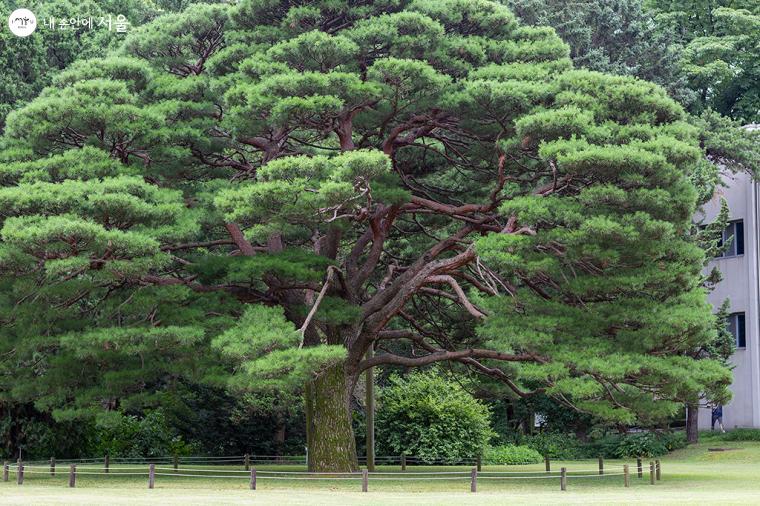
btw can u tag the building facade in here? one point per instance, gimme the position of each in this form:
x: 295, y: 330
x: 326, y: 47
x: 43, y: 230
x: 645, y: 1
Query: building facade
x: 741, y: 286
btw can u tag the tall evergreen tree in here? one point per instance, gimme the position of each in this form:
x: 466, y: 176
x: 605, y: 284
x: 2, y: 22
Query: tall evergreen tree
x: 259, y: 193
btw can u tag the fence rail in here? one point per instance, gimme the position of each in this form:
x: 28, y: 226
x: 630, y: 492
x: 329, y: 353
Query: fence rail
x: 152, y: 467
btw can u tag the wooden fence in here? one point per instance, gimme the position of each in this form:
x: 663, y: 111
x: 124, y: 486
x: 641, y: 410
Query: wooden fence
x: 218, y: 468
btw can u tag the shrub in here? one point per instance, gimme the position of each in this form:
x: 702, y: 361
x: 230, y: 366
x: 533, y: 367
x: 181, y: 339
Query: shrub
x: 677, y: 440
x: 606, y: 446
x: 129, y: 436
x: 647, y: 444
x: 511, y: 455
x: 38, y: 436
x: 555, y: 445
x: 741, y: 435
x: 434, y: 419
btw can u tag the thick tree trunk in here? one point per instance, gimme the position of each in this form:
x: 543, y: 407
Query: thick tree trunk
x: 692, y: 423
x: 330, y: 436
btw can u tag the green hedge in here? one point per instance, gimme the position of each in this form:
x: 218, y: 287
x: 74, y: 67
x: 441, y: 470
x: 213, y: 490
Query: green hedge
x: 643, y: 444
x: 511, y: 455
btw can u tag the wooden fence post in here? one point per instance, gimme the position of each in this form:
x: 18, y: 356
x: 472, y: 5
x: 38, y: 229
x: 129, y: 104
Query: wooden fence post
x: 253, y: 478
x: 479, y: 463
x: 474, y: 480
x: 547, y: 463
x: 72, y: 475
x: 6, y: 470
x: 151, y: 475
x: 365, y: 480
x: 106, y: 462
x: 601, y: 465
x: 20, y: 473
x: 563, y: 479
x: 176, y: 462
x: 52, y: 466
x: 651, y: 473
x: 247, y: 461
x: 638, y: 467
x: 657, y: 469
x: 626, y: 477
x: 403, y: 462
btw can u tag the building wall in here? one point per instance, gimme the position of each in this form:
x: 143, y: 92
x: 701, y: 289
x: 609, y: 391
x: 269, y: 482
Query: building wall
x: 740, y: 286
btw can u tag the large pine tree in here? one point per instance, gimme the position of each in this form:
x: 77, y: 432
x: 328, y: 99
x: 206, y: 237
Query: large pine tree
x: 260, y: 193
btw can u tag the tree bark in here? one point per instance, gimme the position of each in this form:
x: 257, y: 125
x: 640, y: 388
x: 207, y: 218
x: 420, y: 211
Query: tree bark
x: 692, y: 423
x: 330, y: 436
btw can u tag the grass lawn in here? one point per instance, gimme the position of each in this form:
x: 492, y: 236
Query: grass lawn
x: 694, y: 475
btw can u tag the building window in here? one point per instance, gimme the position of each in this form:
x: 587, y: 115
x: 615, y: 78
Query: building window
x: 734, y: 232
x: 736, y: 325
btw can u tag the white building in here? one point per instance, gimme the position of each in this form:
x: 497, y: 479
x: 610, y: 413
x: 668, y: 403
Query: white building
x: 741, y: 286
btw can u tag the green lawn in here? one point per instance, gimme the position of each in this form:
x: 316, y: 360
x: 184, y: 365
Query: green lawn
x: 694, y: 475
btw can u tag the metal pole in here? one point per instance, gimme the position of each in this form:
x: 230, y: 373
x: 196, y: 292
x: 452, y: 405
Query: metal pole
x: 474, y: 480
x: 365, y: 480
x: 370, y: 408
x: 72, y: 475
x: 151, y: 475
x: 253, y: 478
x: 563, y: 479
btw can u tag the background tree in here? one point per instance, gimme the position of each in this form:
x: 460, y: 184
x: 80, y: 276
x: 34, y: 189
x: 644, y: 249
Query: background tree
x: 617, y: 36
x: 720, y: 56
x: 264, y: 191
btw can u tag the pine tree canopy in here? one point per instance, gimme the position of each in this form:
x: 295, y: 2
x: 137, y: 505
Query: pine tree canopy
x: 257, y: 194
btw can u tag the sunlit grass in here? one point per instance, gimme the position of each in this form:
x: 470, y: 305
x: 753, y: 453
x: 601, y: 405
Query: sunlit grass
x: 692, y: 475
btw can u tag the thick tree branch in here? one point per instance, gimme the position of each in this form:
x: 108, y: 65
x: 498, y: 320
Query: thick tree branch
x: 237, y: 236
x: 462, y: 297
x: 328, y: 280
x: 441, y: 355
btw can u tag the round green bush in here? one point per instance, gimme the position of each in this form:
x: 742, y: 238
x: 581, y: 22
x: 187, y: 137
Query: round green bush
x: 426, y: 416
x: 511, y: 455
